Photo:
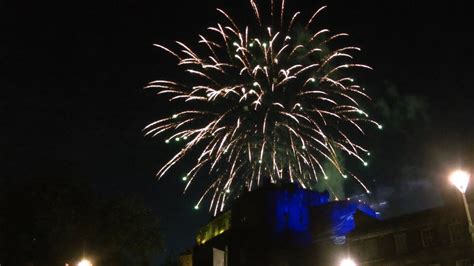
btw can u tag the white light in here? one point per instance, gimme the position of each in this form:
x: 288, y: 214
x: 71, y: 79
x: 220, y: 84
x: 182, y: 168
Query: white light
x: 84, y: 262
x: 347, y: 262
x: 460, y: 179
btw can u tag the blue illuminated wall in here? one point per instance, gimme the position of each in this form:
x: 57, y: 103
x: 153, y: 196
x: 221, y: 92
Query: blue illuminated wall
x: 297, y: 212
x: 292, y: 208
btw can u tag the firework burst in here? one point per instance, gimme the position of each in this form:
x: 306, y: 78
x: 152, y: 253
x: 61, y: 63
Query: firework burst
x: 269, y: 102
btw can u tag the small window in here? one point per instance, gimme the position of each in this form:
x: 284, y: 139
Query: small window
x: 463, y: 262
x: 371, y: 248
x: 427, y: 236
x: 401, y: 242
x: 456, y: 232
x: 358, y: 249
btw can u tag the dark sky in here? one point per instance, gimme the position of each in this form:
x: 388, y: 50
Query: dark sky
x: 72, y: 76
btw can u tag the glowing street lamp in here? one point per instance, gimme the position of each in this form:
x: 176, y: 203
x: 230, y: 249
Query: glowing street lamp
x: 347, y: 262
x: 460, y: 179
x: 84, y: 262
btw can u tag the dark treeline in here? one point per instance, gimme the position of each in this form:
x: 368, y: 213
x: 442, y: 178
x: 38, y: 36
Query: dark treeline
x: 54, y: 221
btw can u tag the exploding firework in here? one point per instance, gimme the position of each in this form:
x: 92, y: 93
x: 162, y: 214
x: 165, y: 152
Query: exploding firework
x: 269, y: 102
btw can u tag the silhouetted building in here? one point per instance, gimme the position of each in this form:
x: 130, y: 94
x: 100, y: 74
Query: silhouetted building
x: 274, y: 225
x: 297, y: 227
x: 432, y: 237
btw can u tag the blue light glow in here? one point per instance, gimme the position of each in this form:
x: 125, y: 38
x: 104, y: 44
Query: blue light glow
x: 293, y: 210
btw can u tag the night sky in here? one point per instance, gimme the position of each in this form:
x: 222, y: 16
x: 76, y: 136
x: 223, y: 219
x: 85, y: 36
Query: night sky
x: 73, y: 104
